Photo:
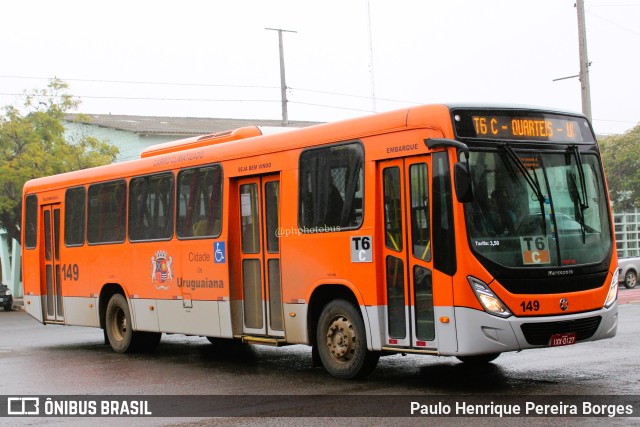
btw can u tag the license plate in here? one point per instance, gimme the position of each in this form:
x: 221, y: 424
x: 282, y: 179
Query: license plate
x: 563, y: 339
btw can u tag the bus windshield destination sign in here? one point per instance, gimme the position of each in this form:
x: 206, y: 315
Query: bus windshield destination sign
x: 541, y: 127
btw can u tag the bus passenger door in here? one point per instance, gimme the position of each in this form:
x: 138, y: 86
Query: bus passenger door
x: 407, y: 255
x: 50, y: 263
x: 259, y: 199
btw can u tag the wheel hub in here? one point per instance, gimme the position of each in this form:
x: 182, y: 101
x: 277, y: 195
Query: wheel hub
x: 120, y: 325
x: 341, y: 339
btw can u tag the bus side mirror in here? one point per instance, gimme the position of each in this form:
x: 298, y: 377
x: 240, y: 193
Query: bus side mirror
x: 462, y: 180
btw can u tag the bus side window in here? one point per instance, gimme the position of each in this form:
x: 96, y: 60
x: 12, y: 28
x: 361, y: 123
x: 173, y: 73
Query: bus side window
x: 75, y: 202
x: 444, y: 251
x: 331, y: 187
x: 151, y: 207
x: 420, y: 220
x: 392, y: 208
x: 199, y: 211
x: 31, y: 222
x: 107, y: 212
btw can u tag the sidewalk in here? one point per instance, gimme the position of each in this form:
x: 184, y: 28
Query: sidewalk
x: 629, y: 296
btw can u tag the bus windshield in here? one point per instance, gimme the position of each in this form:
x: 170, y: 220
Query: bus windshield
x: 537, y: 208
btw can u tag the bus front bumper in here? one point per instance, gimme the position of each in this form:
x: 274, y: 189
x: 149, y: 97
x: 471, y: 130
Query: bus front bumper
x: 481, y: 333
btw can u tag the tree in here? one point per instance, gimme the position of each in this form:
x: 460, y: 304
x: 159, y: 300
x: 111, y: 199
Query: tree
x: 621, y: 160
x: 33, y: 145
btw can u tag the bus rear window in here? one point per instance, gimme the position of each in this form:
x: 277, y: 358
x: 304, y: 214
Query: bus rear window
x: 31, y: 222
x: 75, y: 201
x: 107, y: 212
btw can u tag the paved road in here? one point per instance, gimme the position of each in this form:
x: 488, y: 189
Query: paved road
x: 58, y: 360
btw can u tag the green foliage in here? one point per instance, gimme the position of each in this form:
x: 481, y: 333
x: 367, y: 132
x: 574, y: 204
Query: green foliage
x: 621, y: 159
x: 33, y: 145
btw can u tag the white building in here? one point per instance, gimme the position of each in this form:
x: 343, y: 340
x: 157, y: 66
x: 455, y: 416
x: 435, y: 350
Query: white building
x: 132, y: 134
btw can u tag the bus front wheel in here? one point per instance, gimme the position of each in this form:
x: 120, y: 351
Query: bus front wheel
x: 341, y: 342
x: 120, y: 333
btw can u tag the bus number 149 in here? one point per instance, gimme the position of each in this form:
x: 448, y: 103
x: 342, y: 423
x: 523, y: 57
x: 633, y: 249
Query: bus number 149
x: 530, y: 305
x: 70, y: 272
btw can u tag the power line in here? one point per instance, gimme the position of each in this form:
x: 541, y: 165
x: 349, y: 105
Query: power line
x: 367, y: 97
x: 143, y: 98
x: 143, y: 82
x: 354, y: 96
x: 133, y: 98
x: 262, y: 100
x: 212, y: 85
x: 330, y: 106
x: 615, y: 5
x: 613, y: 23
x: 614, y: 121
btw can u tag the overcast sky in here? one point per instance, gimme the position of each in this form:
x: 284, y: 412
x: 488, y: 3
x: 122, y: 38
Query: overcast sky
x: 215, y: 59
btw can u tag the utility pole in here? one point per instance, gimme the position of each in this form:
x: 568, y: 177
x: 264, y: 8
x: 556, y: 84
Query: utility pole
x: 373, y: 84
x: 283, y: 83
x: 584, y: 61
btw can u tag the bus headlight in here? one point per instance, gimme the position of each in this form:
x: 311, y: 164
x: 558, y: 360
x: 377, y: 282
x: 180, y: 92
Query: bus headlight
x: 489, y: 301
x: 612, y: 296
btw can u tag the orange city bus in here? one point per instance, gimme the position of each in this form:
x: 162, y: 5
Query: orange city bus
x: 448, y: 230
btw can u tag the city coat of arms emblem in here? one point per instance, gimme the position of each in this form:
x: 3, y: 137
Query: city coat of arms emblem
x: 161, y: 271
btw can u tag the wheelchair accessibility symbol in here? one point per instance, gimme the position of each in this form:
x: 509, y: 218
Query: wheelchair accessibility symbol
x: 219, y: 253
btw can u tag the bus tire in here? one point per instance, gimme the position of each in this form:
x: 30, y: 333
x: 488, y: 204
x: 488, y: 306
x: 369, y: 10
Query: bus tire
x: 478, y: 359
x: 119, y: 328
x: 341, y: 341
x: 118, y: 325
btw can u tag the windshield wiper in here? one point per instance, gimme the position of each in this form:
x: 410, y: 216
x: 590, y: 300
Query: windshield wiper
x: 581, y: 199
x: 574, y: 194
x: 533, y: 182
x: 584, y: 202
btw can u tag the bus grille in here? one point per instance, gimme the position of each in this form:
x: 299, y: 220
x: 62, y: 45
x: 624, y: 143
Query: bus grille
x: 540, y: 333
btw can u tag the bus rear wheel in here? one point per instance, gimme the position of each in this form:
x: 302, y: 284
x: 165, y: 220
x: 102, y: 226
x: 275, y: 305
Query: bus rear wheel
x: 119, y: 328
x: 479, y: 359
x: 341, y: 342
